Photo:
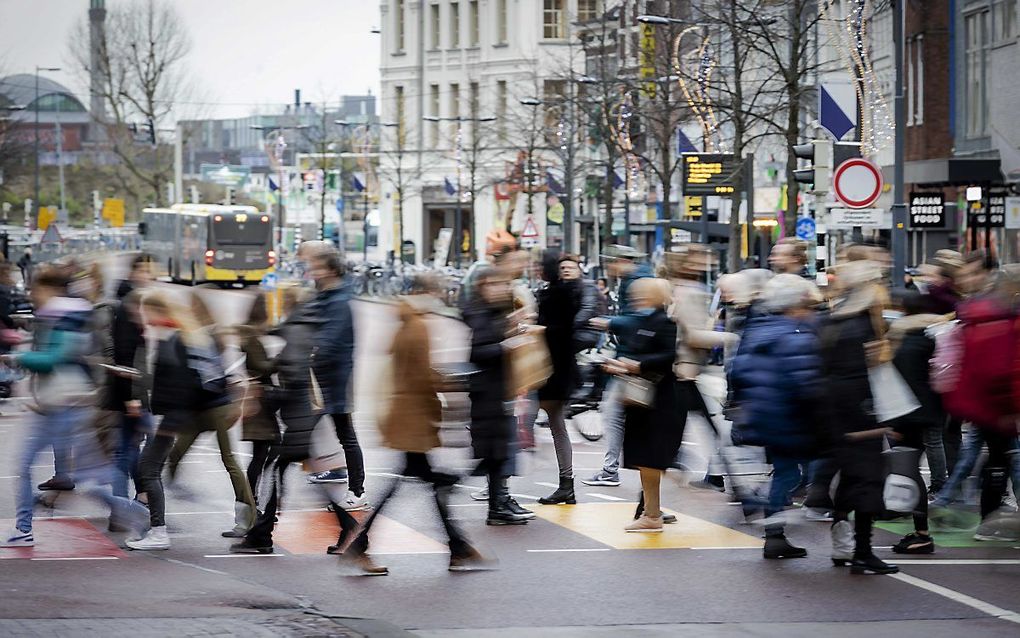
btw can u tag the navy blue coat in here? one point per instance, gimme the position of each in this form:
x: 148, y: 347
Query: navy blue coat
x: 333, y: 360
x: 776, y: 381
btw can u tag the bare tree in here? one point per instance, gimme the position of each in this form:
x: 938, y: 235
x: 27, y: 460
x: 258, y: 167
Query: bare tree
x: 140, y: 57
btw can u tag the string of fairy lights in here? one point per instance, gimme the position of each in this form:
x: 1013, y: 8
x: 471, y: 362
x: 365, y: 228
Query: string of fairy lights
x: 849, y: 29
x: 698, y: 98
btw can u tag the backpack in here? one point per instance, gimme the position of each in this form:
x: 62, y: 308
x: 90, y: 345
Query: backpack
x: 944, y: 373
x: 984, y: 393
x: 207, y: 363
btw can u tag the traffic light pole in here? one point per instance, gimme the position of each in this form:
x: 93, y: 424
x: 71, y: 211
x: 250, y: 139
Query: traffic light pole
x: 899, y: 207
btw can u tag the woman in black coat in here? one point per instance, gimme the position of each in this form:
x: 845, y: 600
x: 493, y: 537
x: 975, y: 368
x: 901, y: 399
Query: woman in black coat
x: 653, y: 433
x: 558, y: 304
x: 493, y: 432
x: 848, y: 344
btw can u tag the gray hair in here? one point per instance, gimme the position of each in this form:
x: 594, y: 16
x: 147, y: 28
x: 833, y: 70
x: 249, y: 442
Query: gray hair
x: 787, y: 292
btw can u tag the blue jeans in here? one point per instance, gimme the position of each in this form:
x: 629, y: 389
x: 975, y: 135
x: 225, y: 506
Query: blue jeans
x: 53, y: 429
x: 132, y: 429
x: 612, y: 426
x: 970, y: 452
x: 786, y: 476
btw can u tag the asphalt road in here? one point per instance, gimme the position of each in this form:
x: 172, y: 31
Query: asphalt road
x: 572, y: 571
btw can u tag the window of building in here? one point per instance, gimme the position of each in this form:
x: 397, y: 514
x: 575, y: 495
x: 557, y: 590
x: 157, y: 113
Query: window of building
x: 434, y: 112
x: 975, y: 64
x: 454, y: 108
x: 588, y: 10
x: 398, y: 18
x: 501, y: 103
x: 401, y: 113
x: 553, y: 22
x: 915, y: 81
x: 473, y: 35
x: 1004, y: 19
x: 454, y: 25
x: 434, y: 26
x: 501, y: 21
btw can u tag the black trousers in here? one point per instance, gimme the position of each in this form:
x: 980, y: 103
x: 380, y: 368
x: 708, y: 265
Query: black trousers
x: 417, y: 465
x: 352, y: 452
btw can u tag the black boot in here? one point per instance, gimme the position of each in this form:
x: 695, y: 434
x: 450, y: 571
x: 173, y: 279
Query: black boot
x: 501, y: 506
x: 564, y: 495
x: 778, y: 547
x: 871, y: 564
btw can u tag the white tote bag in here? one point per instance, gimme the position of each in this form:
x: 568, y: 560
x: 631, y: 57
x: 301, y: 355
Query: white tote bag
x: 891, y: 396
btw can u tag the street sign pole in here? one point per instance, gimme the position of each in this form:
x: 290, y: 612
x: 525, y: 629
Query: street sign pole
x: 899, y: 207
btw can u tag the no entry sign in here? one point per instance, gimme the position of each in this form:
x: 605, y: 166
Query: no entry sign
x: 857, y: 183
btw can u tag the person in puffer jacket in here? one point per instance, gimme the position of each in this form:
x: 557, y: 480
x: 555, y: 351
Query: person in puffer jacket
x: 776, y: 384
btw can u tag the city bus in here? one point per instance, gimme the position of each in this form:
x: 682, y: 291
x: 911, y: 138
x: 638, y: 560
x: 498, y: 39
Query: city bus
x: 209, y: 243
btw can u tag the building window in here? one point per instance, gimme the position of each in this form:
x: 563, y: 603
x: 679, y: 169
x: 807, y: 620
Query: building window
x: 401, y: 114
x: 1004, y: 20
x: 501, y: 98
x: 434, y: 112
x: 454, y: 25
x: 454, y: 108
x: 588, y: 10
x: 398, y: 17
x: 434, y: 26
x: 915, y: 81
x: 501, y: 21
x: 553, y: 27
x: 473, y: 37
x: 975, y: 64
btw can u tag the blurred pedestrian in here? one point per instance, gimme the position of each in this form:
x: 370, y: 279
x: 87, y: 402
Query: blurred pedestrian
x: 493, y: 431
x: 789, y: 256
x: 851, y: 343
x: 26, y: 265
x: 559, y: 301
x: 410, y: 424
x: 654, y: 407
x: 258, y: 419
x: 776, y: 387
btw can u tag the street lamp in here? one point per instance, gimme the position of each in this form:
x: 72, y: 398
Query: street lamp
x: 567, y: 148
x: 457, y: 219
x: 365, y: 222
x: 35, y: 104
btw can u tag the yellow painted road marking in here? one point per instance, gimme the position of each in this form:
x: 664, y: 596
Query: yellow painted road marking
x: 604, y: 522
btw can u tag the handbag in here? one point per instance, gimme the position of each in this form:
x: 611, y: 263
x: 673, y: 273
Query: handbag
x: 636, y: 391
x: 890, y: 394
x: 530, y: 363
x: 901, y: 492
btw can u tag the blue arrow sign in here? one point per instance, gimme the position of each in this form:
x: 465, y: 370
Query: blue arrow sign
x: 340, y: 205
x: 806, y: 228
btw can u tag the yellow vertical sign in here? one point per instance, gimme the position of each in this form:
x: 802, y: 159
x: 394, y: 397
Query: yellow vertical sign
x: 692, y: 206
x: 647, y: 70
x: 47, y: 216
x: 113, y: 211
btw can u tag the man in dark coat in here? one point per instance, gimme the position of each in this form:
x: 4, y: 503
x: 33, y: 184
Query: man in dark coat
x: 493, y: 433
x: 333, y: 363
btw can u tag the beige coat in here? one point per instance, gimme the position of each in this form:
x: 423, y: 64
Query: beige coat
x: 411, y: 422
x: 696, y: 335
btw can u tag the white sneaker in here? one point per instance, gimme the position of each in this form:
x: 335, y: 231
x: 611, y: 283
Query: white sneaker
x: 480, y: 495
x: 17, y: 538
x: 352, y: 503
x: 155, y: 539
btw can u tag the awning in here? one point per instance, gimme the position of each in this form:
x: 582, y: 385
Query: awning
x: 953, y: 171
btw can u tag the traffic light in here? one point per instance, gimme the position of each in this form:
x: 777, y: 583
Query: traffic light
x: 819, y: 174
x: 228, y: 198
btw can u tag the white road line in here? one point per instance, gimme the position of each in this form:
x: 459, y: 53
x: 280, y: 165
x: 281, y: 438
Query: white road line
x: 244, y: 555
x: 534, y: 498
x: 960, y: 561
x: 81, y: 558
x: 592, y: 453
x: 553, y: 485
x: 586, y: 549
x: 963, y: 599
x: 469, y: 505
x: 434, y: 551
x: 605, y: 497
x: 11, y: 477
x: 204, y: 569
x: 721, y: 547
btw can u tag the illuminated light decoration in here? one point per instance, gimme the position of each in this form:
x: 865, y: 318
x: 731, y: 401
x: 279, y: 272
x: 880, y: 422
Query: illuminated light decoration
x: 765, y: 223
x: 632, y: 165
x: 698, y: 98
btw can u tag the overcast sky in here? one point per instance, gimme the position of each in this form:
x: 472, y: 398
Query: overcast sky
x: 245, y: 53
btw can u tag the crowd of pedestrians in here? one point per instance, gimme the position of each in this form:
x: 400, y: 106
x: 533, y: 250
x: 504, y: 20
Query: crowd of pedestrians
x: 849, y: 390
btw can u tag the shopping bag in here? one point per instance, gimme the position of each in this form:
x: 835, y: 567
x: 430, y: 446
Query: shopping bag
x: 530, y: 364
x: 901, y: 492
x: 890, y: 394
x: 636, y: 391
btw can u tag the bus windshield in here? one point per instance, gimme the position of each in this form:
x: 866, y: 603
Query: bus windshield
x: 241, y: 230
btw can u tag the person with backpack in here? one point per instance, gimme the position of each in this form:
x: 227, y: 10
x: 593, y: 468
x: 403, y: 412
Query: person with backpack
x: 258, y: 421
x: 176, y: 389
x: 64, y: 390
x: 986, y: 393
x: 217, y: 414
